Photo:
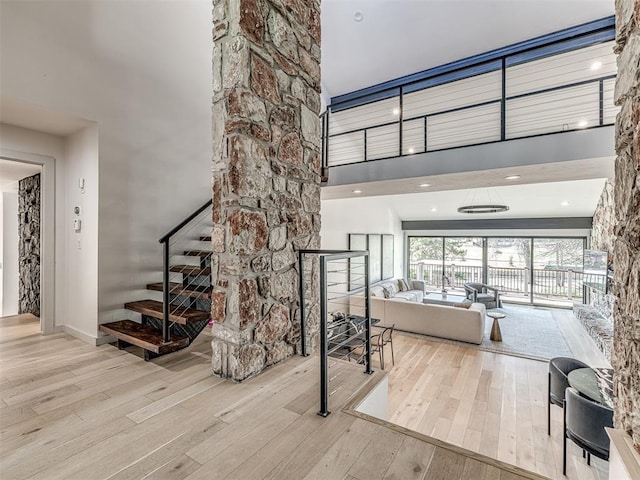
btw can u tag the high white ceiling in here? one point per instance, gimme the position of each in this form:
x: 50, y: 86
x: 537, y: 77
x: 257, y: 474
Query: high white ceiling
x: 400, y: 37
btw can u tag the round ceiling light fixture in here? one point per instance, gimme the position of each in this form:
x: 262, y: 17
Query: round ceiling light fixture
x: 483, y: 209
x: 358, y: 16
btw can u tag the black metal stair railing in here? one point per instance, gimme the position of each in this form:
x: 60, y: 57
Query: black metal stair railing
x: 344, y: 296
x: 196, y: 222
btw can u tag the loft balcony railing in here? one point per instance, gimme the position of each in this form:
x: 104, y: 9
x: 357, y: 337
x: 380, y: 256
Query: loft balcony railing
x: 558, y: 83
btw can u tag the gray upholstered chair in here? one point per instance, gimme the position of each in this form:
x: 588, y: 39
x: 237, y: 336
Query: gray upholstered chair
x: 559, y: 368
x: 584, y: 423
x: 479, y: 292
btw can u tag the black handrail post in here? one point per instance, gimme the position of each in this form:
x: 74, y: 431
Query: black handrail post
x: 367, y: 315
x: 400, y: 117
x: 324, y: 352
x: 601, y: 102
x: 425, y: 134
x: 166, y: 336
x: 365, y: 144
x: 503, y: 101
x: 303, y: 329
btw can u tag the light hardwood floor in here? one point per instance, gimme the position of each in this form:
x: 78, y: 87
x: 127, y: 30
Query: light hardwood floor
x: 72, y: 411
x: 489, y: 403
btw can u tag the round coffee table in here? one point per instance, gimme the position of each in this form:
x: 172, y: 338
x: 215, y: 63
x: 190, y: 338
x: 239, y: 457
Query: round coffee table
x: 496, y: 334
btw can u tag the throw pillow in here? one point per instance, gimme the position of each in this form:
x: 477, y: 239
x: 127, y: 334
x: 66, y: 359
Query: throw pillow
x: 376, y: 292
x: 463, y: 304
x: 386, y: 292
x: 404, y: 285
x: 392, y: 287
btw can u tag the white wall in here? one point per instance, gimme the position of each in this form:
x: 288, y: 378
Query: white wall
x: 361, y: 215
x: 9, y: 257
x: 142, y: 71
x: 46, y: 150
x: 81, y: 248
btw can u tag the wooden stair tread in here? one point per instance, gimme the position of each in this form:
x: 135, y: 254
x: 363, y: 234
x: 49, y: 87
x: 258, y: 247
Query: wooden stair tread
x: 190, y: 270
x: 153, y: 308
x: 143, y: 336
x: 178, y: 289
x: 197, y: 253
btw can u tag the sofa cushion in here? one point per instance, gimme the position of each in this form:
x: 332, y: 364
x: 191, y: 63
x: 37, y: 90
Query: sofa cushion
x: 403, y: 284
x: 411, y: 295
x: 377, y: 291
x: 485, y: 296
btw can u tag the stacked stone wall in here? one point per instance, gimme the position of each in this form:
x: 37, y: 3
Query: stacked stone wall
x: 29, y: 245
x: 266, y: 182
x: 626, y: 349
x: 604, y: 220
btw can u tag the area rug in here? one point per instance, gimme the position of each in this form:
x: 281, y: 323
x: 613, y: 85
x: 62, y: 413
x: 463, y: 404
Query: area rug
x: 526, y: 332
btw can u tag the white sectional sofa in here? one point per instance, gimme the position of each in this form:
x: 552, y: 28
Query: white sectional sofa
x: 408, y: 313
x: 455, y: 323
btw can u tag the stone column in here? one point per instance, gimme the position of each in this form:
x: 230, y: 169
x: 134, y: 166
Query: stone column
x: 626, y: 347
x: 266, y: 176
x: 29, y: 245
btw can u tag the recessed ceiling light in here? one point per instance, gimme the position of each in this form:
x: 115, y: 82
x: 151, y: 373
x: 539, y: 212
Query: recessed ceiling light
x: 597, y: 65
x: 358, y: 16
x: 423, y: 185
x: 411, y: 150
x: 565, y: 203
x: 434, y: 209
x: 357, y: 191
x: 582, y: 123
x: 396, y: 111
x: 512, y: 177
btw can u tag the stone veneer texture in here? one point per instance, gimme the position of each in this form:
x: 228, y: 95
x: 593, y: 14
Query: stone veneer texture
x: 604, y: 220
x: 29, y: 245
x: 626, y: 346
x: 266, y: 182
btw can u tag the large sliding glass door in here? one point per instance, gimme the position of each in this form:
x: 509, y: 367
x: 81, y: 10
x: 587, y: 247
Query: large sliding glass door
x: 508, y: 267
x: 557, y: 270
x: 528, y: 270
x: 462, y: 261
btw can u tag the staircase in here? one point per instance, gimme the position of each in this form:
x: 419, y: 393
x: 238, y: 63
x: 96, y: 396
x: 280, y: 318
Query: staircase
x: 172, y: 324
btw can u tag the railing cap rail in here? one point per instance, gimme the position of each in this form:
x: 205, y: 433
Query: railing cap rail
x: 168, y: 235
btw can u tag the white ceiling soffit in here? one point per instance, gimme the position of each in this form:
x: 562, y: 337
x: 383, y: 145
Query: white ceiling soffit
x: 400, y: 37
x: 12, y: 171
x: 545, y: 173
x: 543, y: 200
x: 24, y: 115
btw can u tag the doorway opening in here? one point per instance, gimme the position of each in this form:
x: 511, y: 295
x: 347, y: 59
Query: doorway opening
x: 26, y: 188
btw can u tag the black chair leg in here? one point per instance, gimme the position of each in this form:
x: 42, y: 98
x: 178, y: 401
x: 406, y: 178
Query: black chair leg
x: 381, y: 357
x: 393, y: 360
x: 588, y: 459
x: 549, y: 405
x: 564, y: 439
x: 584, y: 454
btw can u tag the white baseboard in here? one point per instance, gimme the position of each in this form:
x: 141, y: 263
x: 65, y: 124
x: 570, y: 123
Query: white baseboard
x: 90, y: 339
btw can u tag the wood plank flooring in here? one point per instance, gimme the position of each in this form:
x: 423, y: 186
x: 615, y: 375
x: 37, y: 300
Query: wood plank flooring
x: 72, y: 411
x: 489, y: 403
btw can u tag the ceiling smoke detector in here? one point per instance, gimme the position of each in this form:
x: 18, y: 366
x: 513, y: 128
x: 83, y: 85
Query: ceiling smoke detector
x: 358, y: 16
x: 483, y: 209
